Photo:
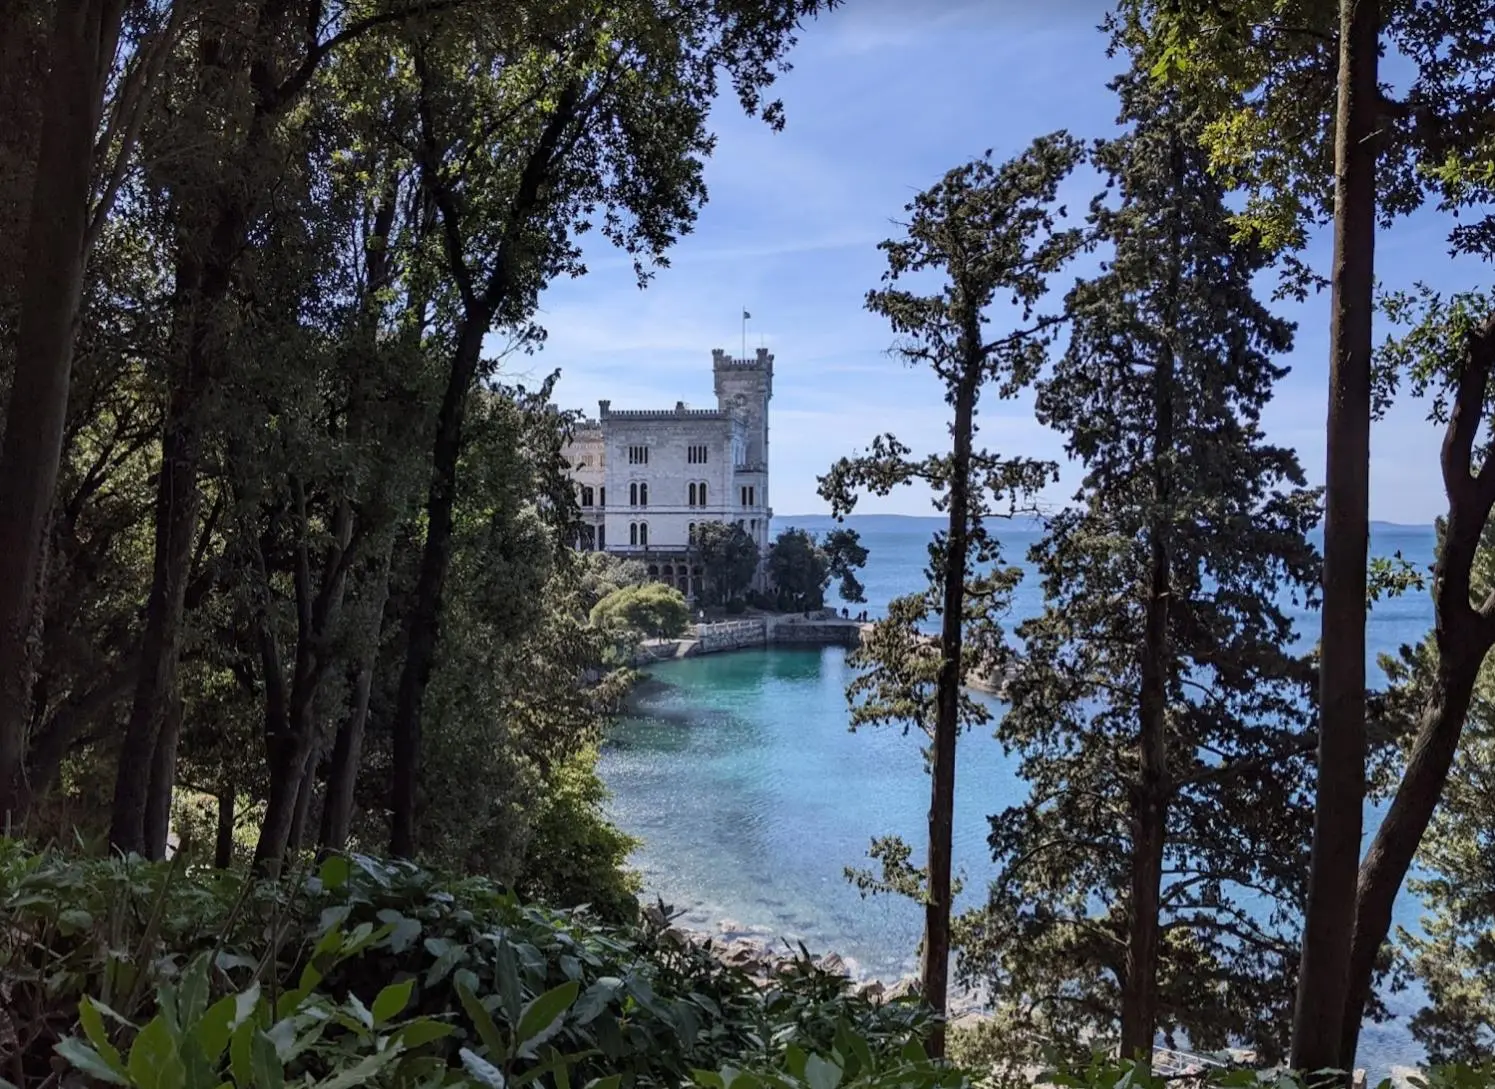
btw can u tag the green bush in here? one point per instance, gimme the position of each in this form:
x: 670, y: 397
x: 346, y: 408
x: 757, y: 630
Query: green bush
x: 654, y: 610
x: 132, y: 938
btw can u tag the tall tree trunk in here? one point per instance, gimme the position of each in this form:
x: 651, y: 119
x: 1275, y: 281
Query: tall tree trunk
x: 935, y: 977
x: 347, y: 750
x: 1323, y: 980
x: 223, y: 847
x: 297, y: 837
x: 83, y: 39
x: 1464, y: 635
x: 177, y: 503
x: 423, y: 628
x: 1152, y: 790
x: 163, y: 782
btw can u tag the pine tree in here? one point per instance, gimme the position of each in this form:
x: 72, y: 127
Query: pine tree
x: 1153, y: 876
x: 992, y: 235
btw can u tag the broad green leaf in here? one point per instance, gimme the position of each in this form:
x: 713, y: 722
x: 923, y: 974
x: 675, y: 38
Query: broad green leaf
x: 154, y: 1062
x: 361, y: 1072
x: 481, y: 1069
x: 192, y: 995
x: 335, y: 872
x: 821, y: 1074
x: 265, y: 1061
x: 542, y: 1017
x: 392, y: 1000
x: 86, y: 1060
x: 215, y: 1026
x: 506, y: 970
x: 360, y: 1012
x: 488, y: 1032
x: 421, y: 1032
x: 240, y: 1049
x: 93, y: 1026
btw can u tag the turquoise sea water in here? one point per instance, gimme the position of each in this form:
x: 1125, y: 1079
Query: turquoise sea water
x: 751, y: 795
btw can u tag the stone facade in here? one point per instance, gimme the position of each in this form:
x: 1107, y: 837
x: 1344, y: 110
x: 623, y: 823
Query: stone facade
x: 646, y: 478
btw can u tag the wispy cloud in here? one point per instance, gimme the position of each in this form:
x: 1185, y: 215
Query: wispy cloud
x: 885, y: 96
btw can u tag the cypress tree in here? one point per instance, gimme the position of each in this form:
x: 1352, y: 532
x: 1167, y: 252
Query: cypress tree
x: 1154, y: 876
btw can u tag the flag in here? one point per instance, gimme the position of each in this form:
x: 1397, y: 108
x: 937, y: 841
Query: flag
x: 746, y: 315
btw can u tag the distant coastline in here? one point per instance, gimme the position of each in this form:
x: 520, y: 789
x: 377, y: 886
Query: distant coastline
x: 1031, y: 521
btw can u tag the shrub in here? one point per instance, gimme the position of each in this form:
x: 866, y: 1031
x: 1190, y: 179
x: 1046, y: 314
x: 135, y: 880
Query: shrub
x: 321, y: 949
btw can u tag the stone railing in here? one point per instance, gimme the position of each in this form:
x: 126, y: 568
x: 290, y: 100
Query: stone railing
x: 730, y: 635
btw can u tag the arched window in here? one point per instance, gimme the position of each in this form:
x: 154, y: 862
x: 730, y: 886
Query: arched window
x: 633, y: 494
x: 586, y: 495
x: 633, y: 533
x: 643, y: 495
x: 643, y: 534
x: 701, y: 493
x: 691, y: 532
x: 692, y: 491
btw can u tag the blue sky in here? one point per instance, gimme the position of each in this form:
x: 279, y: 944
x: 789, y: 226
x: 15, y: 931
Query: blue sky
x: 885, y: 96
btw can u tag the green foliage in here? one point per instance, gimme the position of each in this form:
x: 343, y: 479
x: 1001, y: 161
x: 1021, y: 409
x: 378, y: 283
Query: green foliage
x: 799, y: 570
x: 364, y: 970
x: 849, y: 1065
x: 1155, y: 704
x: 800, y: 567
x: 729, y: 560
x: 843, y: 547
x: 654, y: 611
x: 1262, y: 75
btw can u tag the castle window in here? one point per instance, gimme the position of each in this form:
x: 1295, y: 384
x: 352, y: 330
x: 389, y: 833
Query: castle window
x: 752, y: 495
x: 633, y: 494
x: 638, y: 455
x: 643, y: 495
x: 633, y: 533
x: 602, y: 497
x: 696, y: 455
x: 753, y: 525
x: 691, y: 492
x: 643, y: 534
x: 690, y: 532
x: 601, y: 538
x: 701, y: 493
x: 586, y: 495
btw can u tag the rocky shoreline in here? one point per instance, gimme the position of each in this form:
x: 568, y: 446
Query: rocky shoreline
x: 763, y: 956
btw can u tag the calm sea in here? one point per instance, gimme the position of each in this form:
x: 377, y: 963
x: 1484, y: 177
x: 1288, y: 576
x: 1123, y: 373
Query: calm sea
x: 751, y: 796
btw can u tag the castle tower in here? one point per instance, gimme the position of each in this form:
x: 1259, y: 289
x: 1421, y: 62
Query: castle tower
x: 743, y: 389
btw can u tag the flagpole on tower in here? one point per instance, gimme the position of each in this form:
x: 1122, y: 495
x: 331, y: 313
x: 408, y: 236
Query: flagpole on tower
x: 745, y: 316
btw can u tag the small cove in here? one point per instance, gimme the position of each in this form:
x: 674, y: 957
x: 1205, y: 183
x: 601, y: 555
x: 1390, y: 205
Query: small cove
x: 751, y: 797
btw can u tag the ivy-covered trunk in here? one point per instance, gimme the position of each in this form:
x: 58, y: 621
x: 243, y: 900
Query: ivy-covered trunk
x: 1318, y: 1017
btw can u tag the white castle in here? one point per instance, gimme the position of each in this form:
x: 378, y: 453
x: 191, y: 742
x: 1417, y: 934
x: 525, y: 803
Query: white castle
x: 646, y: 479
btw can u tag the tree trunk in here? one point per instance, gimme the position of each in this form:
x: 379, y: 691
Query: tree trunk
x: 304, y: 794
x: 1318, y: 1016
x: 1464, y: 636
x: 347, y: 751
x: 177, y: 502
x: 287, y: 770
x: 423, y: 629
x: 935, y: 982
x: 1396, y: 842
x: 83, y: 39
x: 163, y: 782
x: 1151, y: 791
x: 223, y: 847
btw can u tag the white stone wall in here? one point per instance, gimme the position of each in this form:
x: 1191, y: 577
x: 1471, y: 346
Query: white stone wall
x: 734, y: 475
